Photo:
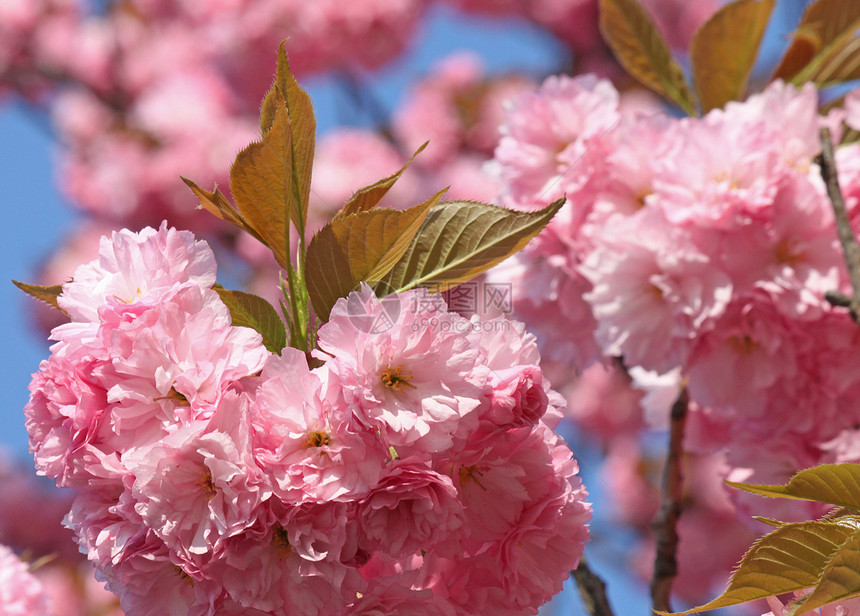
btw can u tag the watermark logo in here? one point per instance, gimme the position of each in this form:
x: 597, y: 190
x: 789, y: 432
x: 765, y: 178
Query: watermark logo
x: 379, y: 314
x: 497, y: 297
x: 371, y: 315
x: 484, y: 298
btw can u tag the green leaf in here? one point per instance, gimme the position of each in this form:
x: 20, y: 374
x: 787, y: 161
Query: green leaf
x: 788, y: 559
x: 724, y: 50
x: 461, y: 239
x: 47, y: 294
x: 643, y: 52
x: 359, y: 247
x: 836, y: 484
x: 252, y: 311
x: 216, y: 203
x: 839, y: 581
x: 262, y: 184
x: 302, y: 126
x: 370, y: 196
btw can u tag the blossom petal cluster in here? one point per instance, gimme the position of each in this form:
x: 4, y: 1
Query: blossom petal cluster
x: 700, y: 244
x: 410, y: 466
x: 694, y: 251
x: 21, y: 594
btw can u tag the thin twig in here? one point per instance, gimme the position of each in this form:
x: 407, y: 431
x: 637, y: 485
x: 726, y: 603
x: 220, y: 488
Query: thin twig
x: 364, y: 98
x: 827, y: 162
x: 666, y: 524
x: 593, y: 590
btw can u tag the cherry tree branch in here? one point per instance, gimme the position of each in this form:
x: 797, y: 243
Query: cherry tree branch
x: 827, y: 162
x: 665, y: 526
x: 593, y: 590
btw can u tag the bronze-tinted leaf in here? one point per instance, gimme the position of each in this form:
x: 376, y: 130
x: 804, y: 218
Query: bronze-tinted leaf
x: 724, y: 50
x: 461, y: 239
x: 643, y: 52
x: 790, y: 558
x: 216, y: 203
x: 263, y: 186
x: 830, y: 19
x: 804, y: 45
x: 327, y: 271
x: 841, y: 64
x: 302, y: 126
x: 47, y: 294
x: 252, y: 311
x: 828, y: 27
x: 370, y: 196
x: 359, y: 247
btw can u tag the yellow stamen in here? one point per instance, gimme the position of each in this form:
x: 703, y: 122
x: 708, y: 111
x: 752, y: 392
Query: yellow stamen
x: 785, y: 254
x: 207, y: 485
x: 471, y: 473
x: 395, y: 378
x: 174, y: 395
x: 183, y: 576
x: 317, y: 438
x: 281, y: 541
x: 744, y: 345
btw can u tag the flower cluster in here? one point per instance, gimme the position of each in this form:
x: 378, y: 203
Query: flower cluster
x: 700, y: 244
x: 21, y: 594
x: 412, y: 469
x: 697, y: 250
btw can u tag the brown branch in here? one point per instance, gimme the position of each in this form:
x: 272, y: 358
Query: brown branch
x: 827, y: 162
x: 593, y: 590
x: 665, y: 526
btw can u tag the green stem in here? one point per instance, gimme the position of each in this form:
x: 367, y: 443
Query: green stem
x: 301, y: 334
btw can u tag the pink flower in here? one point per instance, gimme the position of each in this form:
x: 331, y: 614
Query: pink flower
x: 406, y: 366
x: 63, y: 415
x: 198, y: 455
x: 284, y: 581
x: 550, y: 299
x: 654, y: 291
x: 785, y: 114
x: 322, y: 531
x: 150, y: 584
x: 574, y: 21
x: 469, y: 180
x: 501, y: 481
x: 394, y: 599
x: 518, y: 397
x: 432, y: 104
x: 792, y: 254
x: 527, y: 525
x: 604, y: 400
x: 852, y: 108
x: 552, y: 138
x: 305, y: 438
x: 21, y: 594
x: 185, y: 345
x: 138, y: 268
x: 735, y: 177
x: 199, y: 485
x: 411, y: 508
